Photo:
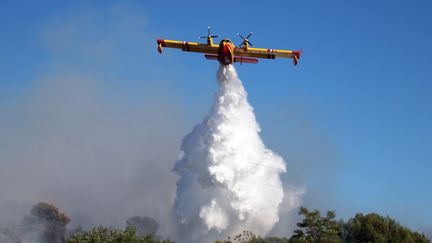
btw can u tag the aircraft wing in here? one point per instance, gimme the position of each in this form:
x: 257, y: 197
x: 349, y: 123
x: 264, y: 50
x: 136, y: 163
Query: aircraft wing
x: 188, y: 46
x: 236, y: 59
x: 267, y: 53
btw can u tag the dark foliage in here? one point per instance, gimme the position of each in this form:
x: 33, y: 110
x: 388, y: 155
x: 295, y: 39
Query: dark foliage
x: 47, y: 222
x: 375, y: 228
x: 315, y: 228
x: 143, y: 225
x: 109, y: 235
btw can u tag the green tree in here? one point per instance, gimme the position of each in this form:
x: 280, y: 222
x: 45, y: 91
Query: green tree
x: 48, y: 222
x: 316, y: 228
x: 109, y: 235
x: 143, y: 225
x: 249, y: 237
x: 375, y: 228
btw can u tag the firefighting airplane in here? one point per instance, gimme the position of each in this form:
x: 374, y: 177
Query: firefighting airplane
x: 226, y: 52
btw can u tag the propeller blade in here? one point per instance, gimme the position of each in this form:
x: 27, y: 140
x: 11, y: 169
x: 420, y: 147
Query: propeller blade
x: 214, y: 36
x: 208, y: 30
x: 245, y: 39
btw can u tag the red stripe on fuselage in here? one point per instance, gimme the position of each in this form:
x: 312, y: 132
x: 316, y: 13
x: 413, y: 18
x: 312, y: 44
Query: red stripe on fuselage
x: 271, y: 54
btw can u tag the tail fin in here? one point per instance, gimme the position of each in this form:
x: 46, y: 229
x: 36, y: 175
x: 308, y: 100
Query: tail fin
x: 296, y: 56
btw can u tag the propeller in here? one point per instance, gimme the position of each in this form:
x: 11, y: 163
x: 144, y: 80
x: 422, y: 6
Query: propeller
x: 208, y: 35
x: 245, y: 39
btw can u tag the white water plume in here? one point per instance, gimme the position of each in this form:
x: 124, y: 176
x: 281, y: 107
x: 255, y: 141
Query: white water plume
x: 229, y: 181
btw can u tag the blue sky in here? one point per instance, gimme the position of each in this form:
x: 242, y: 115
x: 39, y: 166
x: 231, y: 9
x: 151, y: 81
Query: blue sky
x: 352, y: 120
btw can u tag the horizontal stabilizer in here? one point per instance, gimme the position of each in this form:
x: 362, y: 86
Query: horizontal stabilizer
x: 211, y: 56
x: 245, y: 60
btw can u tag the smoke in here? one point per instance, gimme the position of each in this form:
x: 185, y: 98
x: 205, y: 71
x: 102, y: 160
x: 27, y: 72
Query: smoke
x: 229, y: 181
x: 93, y: 132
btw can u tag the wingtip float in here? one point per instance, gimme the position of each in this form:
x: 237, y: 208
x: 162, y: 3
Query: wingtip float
x: 226, y: 52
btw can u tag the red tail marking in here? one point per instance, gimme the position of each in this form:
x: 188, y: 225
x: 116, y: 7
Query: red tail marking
x: 161, y: 42
x: 296, y: 56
